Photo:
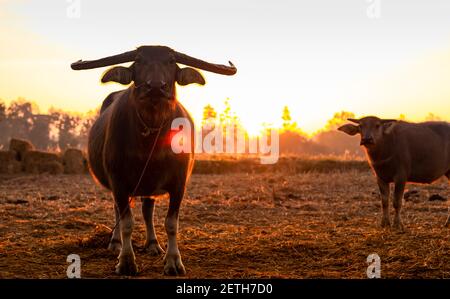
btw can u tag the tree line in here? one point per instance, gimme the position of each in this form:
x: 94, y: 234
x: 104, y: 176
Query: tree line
x: 58, y: 130
x: 294, y: 141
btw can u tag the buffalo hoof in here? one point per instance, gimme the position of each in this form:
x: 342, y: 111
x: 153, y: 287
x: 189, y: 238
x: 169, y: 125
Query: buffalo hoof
x: 173, y: 266
x: 398, y: 226
x: 115, y: 246
x: 126, y: 266
x: 152, y: 247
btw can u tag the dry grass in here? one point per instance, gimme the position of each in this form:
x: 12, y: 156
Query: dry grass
x: 238, y: 225
x: 285, y: 164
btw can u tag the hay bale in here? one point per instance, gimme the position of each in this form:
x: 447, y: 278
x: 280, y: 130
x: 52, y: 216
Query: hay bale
x: 8, y: 162
x: 53, y: 167
x: 42, y: 162
x: 73, y: 161
x: 19, y: 147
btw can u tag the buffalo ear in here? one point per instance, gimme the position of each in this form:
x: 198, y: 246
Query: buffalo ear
x: 349, y: 129
x: 119, y: 74
x: 189, y: 75
x: 388, y: 125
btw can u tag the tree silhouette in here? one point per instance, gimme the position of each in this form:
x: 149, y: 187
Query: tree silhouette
x: 2, y: 111
x: 40, y: 132
x: 4, y: 125
x: 66, y: 125
x: 208, y: 121
x: 333, y: 142
x: 338, y: 119
x: 432, y: 117
x: 288, y: 124
x: 292, y: 140
x: 85, y: 126
x: 208, y: 113
x: 227, y: 116
x: 20, y: 117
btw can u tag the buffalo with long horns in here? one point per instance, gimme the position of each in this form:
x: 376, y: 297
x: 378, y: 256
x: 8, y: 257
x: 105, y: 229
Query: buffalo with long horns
x: 128, y: 148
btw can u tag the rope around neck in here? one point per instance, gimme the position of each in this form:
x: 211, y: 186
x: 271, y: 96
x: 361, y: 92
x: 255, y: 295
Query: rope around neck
x: 141, y: 176
x: 147, y: 129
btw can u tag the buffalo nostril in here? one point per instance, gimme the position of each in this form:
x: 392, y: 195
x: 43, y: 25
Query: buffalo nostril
x: 157, y: 85
x: 365, y: 141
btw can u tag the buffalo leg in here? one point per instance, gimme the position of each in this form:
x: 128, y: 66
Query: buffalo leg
x: 127, y: 264
x: 172, y: 260
x: 151, y: 242
x: 398, y: 200
x: 115, y: 244
x: 384, y: 192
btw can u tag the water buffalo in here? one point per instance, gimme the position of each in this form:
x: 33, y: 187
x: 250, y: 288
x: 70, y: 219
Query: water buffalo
x: 129, y: 148
x: 401, y: 152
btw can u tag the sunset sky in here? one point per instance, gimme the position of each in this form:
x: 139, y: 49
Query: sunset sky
x: 317, y: 57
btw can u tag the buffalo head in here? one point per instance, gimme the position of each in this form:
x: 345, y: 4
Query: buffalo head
x: 371, y: 128
x: 154, y: 71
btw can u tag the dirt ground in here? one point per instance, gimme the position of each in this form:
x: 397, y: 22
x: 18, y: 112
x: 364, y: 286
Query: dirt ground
x: 270, y: 225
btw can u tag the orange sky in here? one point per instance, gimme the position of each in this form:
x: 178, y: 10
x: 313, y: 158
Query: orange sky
x: 317, y: 57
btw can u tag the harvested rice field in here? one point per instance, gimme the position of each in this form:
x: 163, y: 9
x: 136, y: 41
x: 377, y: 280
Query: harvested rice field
x: 232, y: 225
